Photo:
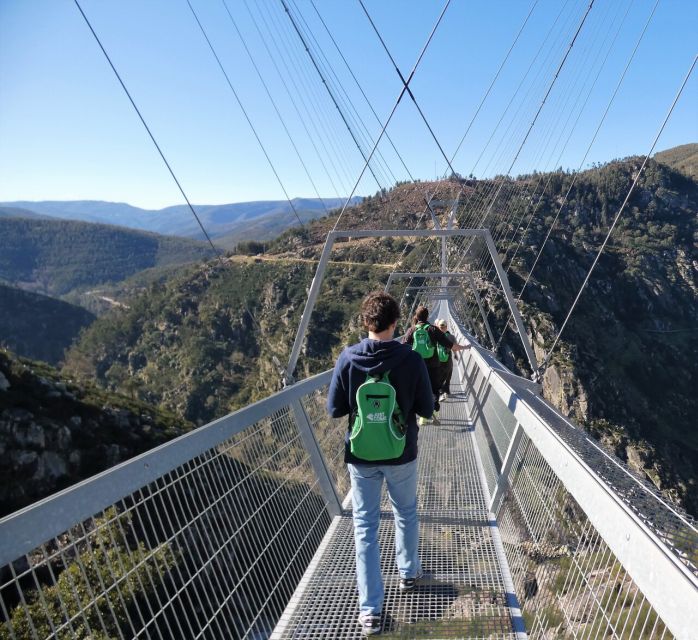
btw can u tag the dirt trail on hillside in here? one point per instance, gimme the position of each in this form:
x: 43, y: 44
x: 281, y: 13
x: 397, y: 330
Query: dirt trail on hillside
x: 288, y: 259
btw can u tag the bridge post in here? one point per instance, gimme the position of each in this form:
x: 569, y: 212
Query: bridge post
x: 327, y: 487
x: 507, y: 464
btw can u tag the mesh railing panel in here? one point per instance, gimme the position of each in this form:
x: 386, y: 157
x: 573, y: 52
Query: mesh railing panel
x: 676, y: 529
x: 329, y: 434
x: 214, y: 548
x: 568, y: 581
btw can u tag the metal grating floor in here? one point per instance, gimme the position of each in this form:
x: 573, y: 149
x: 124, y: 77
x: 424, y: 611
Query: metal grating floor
x: 462, y: 594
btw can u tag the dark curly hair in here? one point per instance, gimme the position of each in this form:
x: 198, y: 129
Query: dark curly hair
x: 379, y: 310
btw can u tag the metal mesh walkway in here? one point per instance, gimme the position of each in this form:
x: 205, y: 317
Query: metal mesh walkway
x: 462, y: 594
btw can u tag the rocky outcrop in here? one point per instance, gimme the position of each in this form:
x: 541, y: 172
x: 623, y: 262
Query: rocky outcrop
x: 54, y: 432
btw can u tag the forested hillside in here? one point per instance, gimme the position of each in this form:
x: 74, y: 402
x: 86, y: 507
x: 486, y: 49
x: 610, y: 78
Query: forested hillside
x: 56, y: 256
x: 211, y: 341
x: 626, y: 367
x: 39, y: 327
x: 54, y: 432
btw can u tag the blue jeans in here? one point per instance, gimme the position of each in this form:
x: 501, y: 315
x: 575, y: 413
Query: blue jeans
x: 366, y: 486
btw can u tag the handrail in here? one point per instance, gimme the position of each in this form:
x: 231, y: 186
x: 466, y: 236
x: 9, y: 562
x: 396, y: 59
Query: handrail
x: 24, y: 530
x: 665, y: 578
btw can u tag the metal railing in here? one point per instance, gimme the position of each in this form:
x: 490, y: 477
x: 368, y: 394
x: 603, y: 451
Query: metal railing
x: 594, y: 551
x: 204, y: 537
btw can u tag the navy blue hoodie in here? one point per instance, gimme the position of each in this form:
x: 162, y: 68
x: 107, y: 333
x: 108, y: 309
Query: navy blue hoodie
x: 408, y: 374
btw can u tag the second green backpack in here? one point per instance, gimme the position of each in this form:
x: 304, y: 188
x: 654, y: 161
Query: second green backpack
x: 378, y: 428
x: 421, y: 342
x: 444, y: 353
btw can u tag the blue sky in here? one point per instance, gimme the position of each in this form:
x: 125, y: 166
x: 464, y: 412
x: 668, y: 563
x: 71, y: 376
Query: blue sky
x: 67, y: 131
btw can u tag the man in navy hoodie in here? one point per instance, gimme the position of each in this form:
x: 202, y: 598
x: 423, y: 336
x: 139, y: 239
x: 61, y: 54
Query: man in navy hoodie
x: 408, y: 374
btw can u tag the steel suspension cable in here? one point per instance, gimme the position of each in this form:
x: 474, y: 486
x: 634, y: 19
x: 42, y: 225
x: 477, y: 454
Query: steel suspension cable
x: 273, y: 103
x: 569, y: 137
x: 494, y: 80
x: 591, y: 143
x: 244, y: 111
x: 307, y: 86
x: 327, y: 87
x: 162, y: 155
x: 150, y: 133
x: 343, y: 95
x: 302, y: 119
x: 620, y: 211
x: 552, y: 84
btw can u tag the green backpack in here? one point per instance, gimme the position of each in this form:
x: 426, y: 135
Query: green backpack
x: 443, y: 353
x: 378, y: 429
x: 421, y: 342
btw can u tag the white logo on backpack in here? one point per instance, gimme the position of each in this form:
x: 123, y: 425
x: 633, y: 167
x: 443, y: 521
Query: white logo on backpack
x: 380, y: 416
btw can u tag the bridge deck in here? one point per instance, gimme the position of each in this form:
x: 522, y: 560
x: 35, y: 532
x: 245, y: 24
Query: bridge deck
x: 462, y: 595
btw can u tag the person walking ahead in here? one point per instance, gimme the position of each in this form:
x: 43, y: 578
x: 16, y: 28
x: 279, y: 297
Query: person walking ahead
x: 422, y: 332
x: 380, y: 362
x: 446, y: 360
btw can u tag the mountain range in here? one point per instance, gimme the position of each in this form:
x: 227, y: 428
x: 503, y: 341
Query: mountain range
x: 228, y: 223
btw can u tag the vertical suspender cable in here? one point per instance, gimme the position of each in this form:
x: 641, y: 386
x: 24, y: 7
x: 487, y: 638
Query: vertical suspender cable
x: 244, y: 111
x: 620, y: 210
x: 147, y: 128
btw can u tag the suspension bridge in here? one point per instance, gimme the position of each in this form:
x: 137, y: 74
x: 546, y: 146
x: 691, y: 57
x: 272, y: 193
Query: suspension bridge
x: 242, y: 528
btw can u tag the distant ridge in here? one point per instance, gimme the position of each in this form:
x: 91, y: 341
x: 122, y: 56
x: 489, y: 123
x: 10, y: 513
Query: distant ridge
x: 230, y: 220
x: 683, y: 158
x: 55, y: 257
x: 39, y: 327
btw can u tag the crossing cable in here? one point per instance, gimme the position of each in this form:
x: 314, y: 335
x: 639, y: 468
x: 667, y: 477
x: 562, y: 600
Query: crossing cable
x: 427, y: 200
x: 392, y: 112
x: 620, y: 210
x: 356, y: 81
x: 152, y: 137
x: 344, y: 91
x: 244, y: 111
x: 273, y: 102
x: 461, y: 190
x: 167, y: 164
x: 405, y: 84
x: 329, y: 91
x: 482, y: 102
